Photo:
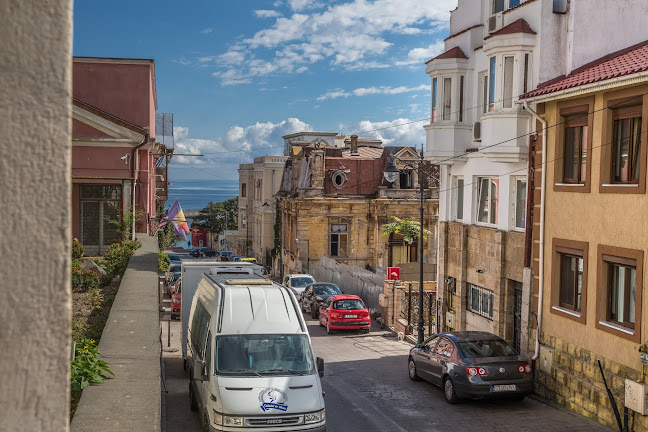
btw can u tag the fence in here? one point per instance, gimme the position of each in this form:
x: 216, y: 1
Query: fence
x: 352, y: 280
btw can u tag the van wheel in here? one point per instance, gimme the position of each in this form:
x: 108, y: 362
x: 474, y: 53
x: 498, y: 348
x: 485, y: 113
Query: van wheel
x: 205, y: 423
x: 192, y: 399
x: 314, y: 313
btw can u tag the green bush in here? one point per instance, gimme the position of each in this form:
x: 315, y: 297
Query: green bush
x: 132, y: 245
x: 163, y: 261
x: 77, y: 249
x: 87, y: 368
x: 84, y: 280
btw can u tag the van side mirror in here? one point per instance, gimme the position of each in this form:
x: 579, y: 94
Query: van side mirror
x: 200, y: 371
x: 320, y: 366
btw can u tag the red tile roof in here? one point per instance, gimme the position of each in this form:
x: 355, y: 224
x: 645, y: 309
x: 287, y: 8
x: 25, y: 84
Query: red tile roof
x: 455, y: 52
x: 518, y: 26
x: 463, y: 31
x: 627, y: 61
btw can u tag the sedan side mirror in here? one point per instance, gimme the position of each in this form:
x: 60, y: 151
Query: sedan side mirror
x: 320, y: 366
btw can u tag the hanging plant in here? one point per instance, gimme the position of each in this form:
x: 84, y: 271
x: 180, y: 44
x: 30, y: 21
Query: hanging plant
x: 410, y: 229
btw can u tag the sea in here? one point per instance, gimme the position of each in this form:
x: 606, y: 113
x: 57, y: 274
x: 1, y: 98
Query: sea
x: 196, y: 194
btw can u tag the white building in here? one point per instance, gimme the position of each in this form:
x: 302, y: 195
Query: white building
x: 258, y: 182
x: 480, y: 135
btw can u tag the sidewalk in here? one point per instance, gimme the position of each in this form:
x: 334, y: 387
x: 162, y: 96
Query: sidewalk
x: 131, y: 345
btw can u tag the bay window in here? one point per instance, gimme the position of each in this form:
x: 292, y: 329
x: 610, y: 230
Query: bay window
x: 447, y: 98
x: 487, y: 199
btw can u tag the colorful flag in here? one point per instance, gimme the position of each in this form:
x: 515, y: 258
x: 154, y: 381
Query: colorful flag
x: 175, y: 215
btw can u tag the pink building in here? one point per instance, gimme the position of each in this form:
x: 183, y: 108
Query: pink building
x: 116, y: 160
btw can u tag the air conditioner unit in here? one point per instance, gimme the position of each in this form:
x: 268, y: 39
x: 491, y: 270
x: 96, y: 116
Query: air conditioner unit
x: 477, y: 131
x: 494, y: 23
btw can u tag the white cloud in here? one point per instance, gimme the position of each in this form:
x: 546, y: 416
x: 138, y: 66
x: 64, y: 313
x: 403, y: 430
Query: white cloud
x: 354, y: 35
x: 301, y: 70
x: 262, y: 13
x: 401, y: 131
x: 240, y: 144
x: 207, y: 30
x: 364, y: 91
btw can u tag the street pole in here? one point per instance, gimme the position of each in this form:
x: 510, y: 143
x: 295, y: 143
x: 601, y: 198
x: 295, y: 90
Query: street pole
x: 420, y: 309
x: 247, y: 233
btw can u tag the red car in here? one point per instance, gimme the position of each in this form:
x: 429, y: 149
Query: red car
x: 344, y: 312
x: 176, y: 300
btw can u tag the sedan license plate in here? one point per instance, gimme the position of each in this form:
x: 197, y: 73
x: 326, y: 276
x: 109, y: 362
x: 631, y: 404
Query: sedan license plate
x: 350, y: 316
x: 501, y: 388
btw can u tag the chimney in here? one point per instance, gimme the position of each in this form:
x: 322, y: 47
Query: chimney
x: 354, y: 145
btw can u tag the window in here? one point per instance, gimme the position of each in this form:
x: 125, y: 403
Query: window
x: 339, y: 237
x: 459, y: 198
x: 569, y: 279
x: 484, y: 92
x: 487, y: 198
x: 406, y: 179
x: 497, y: 6
x: 434, y: 100
x: 619, y: 293
x: 623, y: 155
x: 575, y: 149
x: 445, y: 348
x: 626, y: 147
x: 243, y: 190
x: 491, y: 88
x: 520, y: 203
x: 447, y: 98
x: 480, y: 301
x: 461, y: 97
x: 526, y: 73
x: 507, y: 98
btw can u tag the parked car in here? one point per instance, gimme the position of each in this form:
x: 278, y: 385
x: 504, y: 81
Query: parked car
x: 315, y: 294
x: 173, y: 286
x: 297, y: 282
x: 208, y: 252
x: 173, y: 259
x: 471, y: 364
x: 344, y: 312
x: 176, y: 300
x: 195, y: 253
x: 252, y: 260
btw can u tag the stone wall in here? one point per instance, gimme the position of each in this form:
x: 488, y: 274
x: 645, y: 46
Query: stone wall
x: 575, y: 382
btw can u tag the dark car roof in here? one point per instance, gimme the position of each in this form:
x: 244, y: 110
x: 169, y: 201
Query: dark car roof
x: 462, y: 336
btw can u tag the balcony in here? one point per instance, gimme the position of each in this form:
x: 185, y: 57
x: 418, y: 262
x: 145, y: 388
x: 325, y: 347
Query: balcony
x: 447, y: 141
x: 504, y: 136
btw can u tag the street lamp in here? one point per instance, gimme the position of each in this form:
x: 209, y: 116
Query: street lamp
x: 307, y: 254
x: 391, y: 173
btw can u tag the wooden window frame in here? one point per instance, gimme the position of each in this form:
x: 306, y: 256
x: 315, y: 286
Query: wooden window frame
x: 339, y: 242
x: 567, y: 110
x: 621, y: 256
x: 613, y: 103
x: 574, y: 248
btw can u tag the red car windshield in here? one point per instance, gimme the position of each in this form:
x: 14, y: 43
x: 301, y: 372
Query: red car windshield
x: 348, y: 304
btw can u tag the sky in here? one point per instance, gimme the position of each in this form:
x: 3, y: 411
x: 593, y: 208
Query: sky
x: 238, y: 75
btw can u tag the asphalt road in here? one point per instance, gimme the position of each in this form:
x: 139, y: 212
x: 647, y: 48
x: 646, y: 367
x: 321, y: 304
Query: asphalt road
x: 368, y: 389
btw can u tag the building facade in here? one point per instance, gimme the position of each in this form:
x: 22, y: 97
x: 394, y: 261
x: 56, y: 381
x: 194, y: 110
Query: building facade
x: 334, y: 201
x: 481, y: 136
x: 591, y: 270
x: 258, y: 183
x: 117, y: 164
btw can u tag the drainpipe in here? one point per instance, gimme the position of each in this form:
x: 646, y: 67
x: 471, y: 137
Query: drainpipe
x: 542, y: 220
x: 134, y: 174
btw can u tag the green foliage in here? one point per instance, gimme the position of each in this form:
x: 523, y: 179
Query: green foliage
x: 125, y: 224
x: 408, y: 228
x: 163, y: 261
x: 216, y: 217
x: 117, y: 256
x: 77, y: 249
x: 166, y: 236
x: 96, y: 298
x: 87, y: 368
x: 79, y: 330
x: 84, y: 280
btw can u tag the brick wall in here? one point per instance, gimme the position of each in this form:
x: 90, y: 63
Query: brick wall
x: 575, y: 382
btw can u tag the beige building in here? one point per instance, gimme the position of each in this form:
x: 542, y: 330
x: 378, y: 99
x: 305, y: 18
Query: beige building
x: 334, y: 201
x: 589, y: 275
x: 258, y: 183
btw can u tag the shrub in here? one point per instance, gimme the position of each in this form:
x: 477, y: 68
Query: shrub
x: 132, y: 245
x: 116, y: 259
x: 87, y: 368
x: 163, y: 261
x: 84, y: 280
x: 77, y: 249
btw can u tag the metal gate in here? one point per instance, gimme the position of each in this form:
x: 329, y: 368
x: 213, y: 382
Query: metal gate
x: 517, y: 315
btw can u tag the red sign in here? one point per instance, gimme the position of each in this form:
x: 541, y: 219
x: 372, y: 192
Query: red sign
x: 393, y: 273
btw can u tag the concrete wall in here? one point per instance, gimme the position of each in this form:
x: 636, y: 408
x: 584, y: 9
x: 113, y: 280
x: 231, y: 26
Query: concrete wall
x: 35, y: 119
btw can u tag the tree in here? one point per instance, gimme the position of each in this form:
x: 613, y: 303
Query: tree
x: 217, y: 217
x: 408, y: 228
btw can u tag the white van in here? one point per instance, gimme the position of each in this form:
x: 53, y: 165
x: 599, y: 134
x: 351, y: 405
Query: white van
x: 251, y: 363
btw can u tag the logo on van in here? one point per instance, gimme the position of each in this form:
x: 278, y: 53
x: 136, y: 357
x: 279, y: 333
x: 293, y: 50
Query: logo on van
x: 273, y: 398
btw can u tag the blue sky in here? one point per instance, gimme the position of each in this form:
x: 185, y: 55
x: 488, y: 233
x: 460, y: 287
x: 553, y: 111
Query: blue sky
x: 238, y: 75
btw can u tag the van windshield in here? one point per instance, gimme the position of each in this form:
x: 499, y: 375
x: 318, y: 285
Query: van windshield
x: 263, y: 355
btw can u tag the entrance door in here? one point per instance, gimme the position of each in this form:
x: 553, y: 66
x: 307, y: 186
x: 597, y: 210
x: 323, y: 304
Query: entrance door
x: 517, y: 315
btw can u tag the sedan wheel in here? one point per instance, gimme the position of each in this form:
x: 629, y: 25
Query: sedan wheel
x: 314, y: 313
x: 449, y: 391
x: 411, y: 366
x: 328, y: 328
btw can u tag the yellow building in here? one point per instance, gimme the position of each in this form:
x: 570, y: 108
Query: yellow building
x: 333, y: 202
x: 590, y: 248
